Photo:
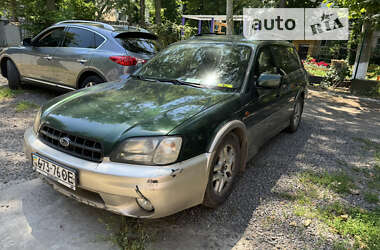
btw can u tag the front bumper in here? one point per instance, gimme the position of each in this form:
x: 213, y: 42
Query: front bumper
x: 115, y: 186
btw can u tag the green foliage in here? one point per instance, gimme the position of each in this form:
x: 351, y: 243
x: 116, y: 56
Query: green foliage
x: 361, y: 224
x: 169, y: 32
x: 336, y: 75
x: 25, y: 105
x: 6, y: 92
x: 338, y: 182
x: 371, y: 197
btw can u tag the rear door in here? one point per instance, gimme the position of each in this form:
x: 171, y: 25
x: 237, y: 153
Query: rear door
x: 38, y: 59
x: 287, y: 60
x: 261, y: 110
x: 75, y: 54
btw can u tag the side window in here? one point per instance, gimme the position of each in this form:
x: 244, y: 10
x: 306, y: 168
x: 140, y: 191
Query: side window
x: 264, y: 62
x: 286, y: 58
x: 98, y: 40
x: 79, y: 38
x: 52, y: 38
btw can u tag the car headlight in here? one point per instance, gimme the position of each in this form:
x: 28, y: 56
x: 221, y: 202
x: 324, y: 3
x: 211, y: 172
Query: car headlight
x: 149, y: 150
x: 37, y: 120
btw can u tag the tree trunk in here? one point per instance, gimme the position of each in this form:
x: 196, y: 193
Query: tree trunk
x: 230, y: 17
x: 142, y: 13
x: 50, y: 4
x: 157, y: 5
x: 363, y: 53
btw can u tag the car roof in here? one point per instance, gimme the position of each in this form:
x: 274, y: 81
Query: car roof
x: 101, y: 27
x: 234, y: 39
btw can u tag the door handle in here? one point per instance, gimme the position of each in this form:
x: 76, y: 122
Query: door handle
x: 48, y: 57
x: 82, y: 60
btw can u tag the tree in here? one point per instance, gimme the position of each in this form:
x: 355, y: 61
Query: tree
x: 142, y: 13
x: 157, y: 7
x: 230, y: 17
x: 366, y: 12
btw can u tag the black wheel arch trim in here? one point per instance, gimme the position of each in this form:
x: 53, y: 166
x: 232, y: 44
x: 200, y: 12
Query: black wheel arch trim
x: 239, y: 128
x: 86, y: 71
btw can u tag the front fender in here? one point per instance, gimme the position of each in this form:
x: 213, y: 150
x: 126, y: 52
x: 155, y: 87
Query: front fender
x: 237, y: 127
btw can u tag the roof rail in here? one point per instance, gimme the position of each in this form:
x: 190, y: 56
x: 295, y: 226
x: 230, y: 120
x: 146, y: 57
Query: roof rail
x: 206, y: 34
x: 104, y: 25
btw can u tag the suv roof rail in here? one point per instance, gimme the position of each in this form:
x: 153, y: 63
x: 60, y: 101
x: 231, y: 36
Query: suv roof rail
x: 104, y: 25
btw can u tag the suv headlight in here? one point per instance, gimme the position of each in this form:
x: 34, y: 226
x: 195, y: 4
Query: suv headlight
x: 149, y: 150
x: 37, y: 121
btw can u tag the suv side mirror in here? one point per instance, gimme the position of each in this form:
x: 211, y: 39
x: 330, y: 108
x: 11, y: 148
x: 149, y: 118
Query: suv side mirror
x: 27, y: 42
x: 270, y: 81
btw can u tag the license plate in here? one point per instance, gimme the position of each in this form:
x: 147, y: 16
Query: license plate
x: 59, y: 173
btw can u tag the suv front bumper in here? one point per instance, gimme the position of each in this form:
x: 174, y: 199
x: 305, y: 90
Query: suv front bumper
x: 115, y: 186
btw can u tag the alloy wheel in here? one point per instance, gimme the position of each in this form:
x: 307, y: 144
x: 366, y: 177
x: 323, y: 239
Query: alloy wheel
x: 223, y: 169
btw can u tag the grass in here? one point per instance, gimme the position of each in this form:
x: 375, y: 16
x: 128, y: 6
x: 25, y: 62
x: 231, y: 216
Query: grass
x: 24, y: 105
x: 371, y: 197
x: 338, y: 182
x: 6, y: 92
x: 131, y: 235
x: 361, y: 224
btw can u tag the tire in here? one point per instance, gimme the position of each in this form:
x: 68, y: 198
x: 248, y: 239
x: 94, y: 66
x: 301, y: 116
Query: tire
x: 13, y: 75
x: 91, y: 81
x: 222, y: 177
x: 296, y: 116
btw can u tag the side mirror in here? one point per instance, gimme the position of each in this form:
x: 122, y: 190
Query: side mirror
x: 27, y: 42
x: 270, y: 81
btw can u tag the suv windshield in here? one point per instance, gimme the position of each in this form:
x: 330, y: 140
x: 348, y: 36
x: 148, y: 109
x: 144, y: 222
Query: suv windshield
x: 211, y: 65
x: 138, y: 45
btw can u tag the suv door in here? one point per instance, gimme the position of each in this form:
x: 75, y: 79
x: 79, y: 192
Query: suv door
x: 39, y: 57
x: 290, y: 66
x: 260, y: 112
x: 75, y: 54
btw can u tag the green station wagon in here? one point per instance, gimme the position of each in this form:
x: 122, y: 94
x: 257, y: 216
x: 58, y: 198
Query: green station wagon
x: 176, y: 133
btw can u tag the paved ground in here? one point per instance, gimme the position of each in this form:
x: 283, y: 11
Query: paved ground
x: 256, y: 216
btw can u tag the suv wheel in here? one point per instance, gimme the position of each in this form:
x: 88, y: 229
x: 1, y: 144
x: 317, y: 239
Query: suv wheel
x: 13, y: 75
x: 223, y: 171
x: 295, y: 119
x: 91, y: 81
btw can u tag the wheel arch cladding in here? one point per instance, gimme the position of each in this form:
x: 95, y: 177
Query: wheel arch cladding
x: 3, y: 66
x: 86, y: 74
x: 239, y: 129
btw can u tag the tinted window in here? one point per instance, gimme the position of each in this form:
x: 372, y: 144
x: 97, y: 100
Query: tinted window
x: 211, y: 65
x: 286, y: 58
x: 98, y: 40
x: 138, y: 45
x: 52, y: 38
x: 81, y: 38
x: 265, y: 63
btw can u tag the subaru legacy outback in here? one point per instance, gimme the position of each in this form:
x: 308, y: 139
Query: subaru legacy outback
x: 76, y: 54
x: 176, y: 133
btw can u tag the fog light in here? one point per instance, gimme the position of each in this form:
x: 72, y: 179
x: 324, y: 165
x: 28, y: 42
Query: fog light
x: 145, y: 204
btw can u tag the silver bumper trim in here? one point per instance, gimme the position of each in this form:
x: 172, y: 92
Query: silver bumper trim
x: 169, y: 188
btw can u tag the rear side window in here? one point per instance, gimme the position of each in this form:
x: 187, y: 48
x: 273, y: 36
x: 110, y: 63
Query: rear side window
x: 286, y: 58
x: 138, y: 45
x: 82, y: 38
x: 52, y: 38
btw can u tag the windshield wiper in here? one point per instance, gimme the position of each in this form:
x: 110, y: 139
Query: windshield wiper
x: 144, y: 78
x: 179, y: 82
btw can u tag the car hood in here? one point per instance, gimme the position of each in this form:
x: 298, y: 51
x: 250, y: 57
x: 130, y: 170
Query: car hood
x: 111, y: 112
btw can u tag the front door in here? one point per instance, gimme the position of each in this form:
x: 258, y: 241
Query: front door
x: 263, y: 106
x: 38, y: 59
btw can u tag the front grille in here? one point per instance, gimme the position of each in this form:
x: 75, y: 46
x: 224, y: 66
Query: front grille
x: 79, y: 146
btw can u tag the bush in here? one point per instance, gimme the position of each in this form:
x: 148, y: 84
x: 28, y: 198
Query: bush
x: 169, y: 32
x: 337, y: 74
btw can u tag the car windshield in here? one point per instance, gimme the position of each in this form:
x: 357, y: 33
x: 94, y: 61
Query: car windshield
x: 210, y: 65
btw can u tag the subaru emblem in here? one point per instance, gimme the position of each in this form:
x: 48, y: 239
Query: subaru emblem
x: 64, y: 141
